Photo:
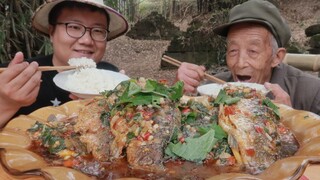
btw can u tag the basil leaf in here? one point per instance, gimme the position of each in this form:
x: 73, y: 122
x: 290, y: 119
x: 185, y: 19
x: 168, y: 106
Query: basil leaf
x: 194, y: 149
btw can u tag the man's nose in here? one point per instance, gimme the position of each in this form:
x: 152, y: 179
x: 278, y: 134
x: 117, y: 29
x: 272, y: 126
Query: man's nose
x: 242, y: 60
x: 87, y: 36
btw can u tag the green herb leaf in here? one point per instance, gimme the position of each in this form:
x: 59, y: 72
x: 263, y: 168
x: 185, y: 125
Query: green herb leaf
x: 231, y: 100
x: 270, y: 104
x: 189, y: 118
x: 194, y: 149
x: 150, y: 94
x: 222, y: 96
x: 219, y: 132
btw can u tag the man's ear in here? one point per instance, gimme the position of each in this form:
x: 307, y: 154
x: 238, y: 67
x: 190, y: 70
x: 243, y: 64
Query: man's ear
x: 51, y: 31
x: 279, y: 57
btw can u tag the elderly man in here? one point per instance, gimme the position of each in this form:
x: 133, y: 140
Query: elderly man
x: 256, y: 35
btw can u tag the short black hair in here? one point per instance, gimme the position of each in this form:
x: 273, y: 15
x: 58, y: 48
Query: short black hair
x: 56, y: 10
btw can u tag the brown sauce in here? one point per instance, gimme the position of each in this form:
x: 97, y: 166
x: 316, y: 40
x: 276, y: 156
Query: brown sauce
x: 172, y: 169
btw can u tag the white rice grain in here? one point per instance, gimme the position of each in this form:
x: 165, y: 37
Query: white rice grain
x: 90, y: 81
x: 82, y: 62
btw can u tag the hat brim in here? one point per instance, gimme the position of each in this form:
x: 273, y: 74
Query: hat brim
x: 117, y: 27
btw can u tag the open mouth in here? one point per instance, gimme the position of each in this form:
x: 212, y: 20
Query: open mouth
x: 84, y: 52
x: 243, y: 78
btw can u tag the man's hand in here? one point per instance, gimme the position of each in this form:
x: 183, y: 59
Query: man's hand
x: 280, y: 96
x: 191, y: 75
x: 20, y: 85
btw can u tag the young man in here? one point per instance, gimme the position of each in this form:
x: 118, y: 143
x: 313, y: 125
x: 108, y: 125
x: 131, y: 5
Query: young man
x: 77, y: 28
x: 256, y: 35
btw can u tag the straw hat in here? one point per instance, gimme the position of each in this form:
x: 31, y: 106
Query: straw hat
x: 262, y: 12
x: 117, y: 27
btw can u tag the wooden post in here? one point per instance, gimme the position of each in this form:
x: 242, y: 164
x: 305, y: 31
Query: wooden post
x: 306, y: 62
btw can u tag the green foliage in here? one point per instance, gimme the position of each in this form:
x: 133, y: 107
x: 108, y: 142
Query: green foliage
x: 16, y: 33
x: 194, y: 149
x: 112, y: 3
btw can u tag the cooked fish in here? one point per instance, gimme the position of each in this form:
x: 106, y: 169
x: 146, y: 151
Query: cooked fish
x: 256, y: 136
x: 148, y: 124
x: 93, y: 132
x: 145, y: 131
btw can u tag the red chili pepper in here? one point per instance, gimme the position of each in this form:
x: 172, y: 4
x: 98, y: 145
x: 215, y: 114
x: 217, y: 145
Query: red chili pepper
x: 231, y: 160
x: 266, y: 122
x: 70, y: 162
x: 181, y: 139
x: 185, y: 110
x: 258, y: 129
x: 163, y: 81
x: 229, y: 110
x: 146, y: 136
x: 282, y: 129
x: 250, y: 152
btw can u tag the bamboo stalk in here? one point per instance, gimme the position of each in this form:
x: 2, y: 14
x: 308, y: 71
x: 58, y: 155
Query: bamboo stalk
x: 177, y: 63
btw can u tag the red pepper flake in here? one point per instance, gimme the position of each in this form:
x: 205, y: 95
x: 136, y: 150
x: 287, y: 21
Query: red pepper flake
x: 146, y: 136
x: 258, y: 129
x: 231, y: 161
x: 181, y: 139
x: 185, y: 110
x: 229, y: 110
x: 282, y: 129
x: 163, y: 81
x: 250, y: 152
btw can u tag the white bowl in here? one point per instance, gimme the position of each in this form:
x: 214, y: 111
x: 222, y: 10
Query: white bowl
x: 212, y: 89
x: 256, y: 86
x: 61, y: 80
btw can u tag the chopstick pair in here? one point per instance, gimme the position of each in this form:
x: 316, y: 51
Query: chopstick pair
x: 50, y: 68
x: 177, y: 63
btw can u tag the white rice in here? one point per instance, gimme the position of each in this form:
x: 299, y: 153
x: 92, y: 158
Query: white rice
x: 82, y: 62
x: 89, y: 81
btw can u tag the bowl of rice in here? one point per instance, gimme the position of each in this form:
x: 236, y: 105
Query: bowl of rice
x: 87, y: 81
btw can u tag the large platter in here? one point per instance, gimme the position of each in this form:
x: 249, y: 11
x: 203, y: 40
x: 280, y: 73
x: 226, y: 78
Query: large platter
x: 305, y: 126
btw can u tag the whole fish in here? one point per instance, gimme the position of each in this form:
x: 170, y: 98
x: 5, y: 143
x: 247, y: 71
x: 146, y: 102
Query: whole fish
x: 255, y: 134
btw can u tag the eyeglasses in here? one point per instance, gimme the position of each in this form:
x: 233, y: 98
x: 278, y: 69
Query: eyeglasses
x: 77, y: 30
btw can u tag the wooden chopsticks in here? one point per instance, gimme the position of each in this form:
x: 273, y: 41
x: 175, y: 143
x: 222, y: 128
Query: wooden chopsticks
x: 50, y: 68
x: 177, y: 63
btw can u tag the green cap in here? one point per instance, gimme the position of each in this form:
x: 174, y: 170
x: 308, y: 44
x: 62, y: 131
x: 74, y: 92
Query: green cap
x: 262, y: 12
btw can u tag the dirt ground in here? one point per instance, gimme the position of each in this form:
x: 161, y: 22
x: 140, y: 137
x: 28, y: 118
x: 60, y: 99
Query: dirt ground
x: 142, y: 58
x: 139, y: 58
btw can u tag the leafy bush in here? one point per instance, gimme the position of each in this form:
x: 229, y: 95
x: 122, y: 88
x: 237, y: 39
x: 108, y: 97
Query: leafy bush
x: 16, y: 33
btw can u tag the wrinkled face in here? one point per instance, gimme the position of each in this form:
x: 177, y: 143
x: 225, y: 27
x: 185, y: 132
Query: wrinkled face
x: 249, y: 53
x: 66, y: 47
